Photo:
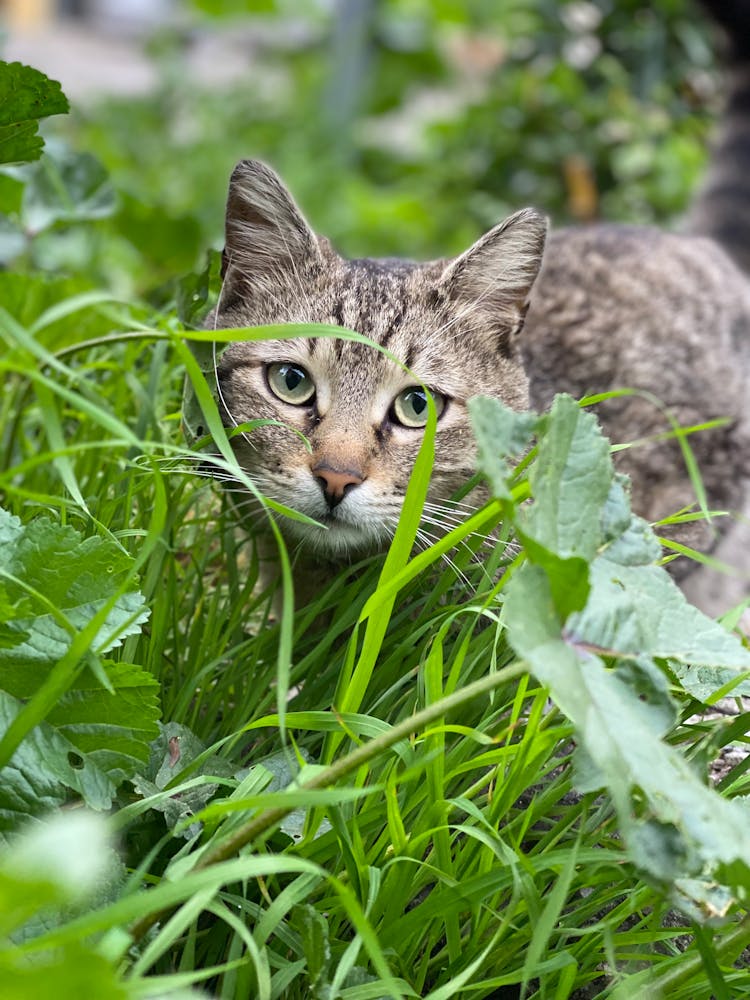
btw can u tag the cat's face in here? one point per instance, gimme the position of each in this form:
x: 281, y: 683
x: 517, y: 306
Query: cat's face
x: 347, y: 420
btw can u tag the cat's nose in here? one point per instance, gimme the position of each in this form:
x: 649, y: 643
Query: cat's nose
x: 336, y: 483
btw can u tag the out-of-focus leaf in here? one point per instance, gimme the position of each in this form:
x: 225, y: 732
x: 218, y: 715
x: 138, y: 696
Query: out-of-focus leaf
x: 52, y: 866
x: 65, y: 187
x: 25, y: 297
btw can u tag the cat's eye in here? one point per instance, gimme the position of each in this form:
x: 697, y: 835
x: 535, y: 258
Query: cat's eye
x: 291, y: 383
x: 410, y: 407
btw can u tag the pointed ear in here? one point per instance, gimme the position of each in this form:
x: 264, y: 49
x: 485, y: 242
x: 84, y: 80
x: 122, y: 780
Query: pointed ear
x: 265, y: 231
x: 496, y: 274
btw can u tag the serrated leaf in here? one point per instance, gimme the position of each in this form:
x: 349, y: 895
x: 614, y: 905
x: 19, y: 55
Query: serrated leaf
x: 26, y: 95
x: 97, y: 731
x: 111, y: 728
x: 620, y: 733
x: 46, y: 771
x: 639, y: 610
x: 570, y: 482
x: 58, y: 581
x: 500, y: 433
x: 175, y: 748
x: 65, y: 187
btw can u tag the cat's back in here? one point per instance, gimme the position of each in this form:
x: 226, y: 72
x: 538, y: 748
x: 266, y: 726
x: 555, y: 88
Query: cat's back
x: 667, y: 315
x: 627, y: 306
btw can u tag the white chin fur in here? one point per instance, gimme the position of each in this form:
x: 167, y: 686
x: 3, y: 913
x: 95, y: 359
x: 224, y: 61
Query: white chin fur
x: 353, y: 529
x: 338, y: 539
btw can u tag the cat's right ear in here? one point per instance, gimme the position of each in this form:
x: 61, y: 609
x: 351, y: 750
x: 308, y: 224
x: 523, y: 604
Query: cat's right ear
x: 266, y: 235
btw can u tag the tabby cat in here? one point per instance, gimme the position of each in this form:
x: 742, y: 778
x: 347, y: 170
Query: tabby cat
x: 602, y: 307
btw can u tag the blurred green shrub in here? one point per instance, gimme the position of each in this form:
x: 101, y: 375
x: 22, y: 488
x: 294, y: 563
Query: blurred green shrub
x: 403, y: 126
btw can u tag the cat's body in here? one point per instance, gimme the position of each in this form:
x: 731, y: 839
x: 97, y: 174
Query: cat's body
x: 612, y: 307
x: 668, y: 315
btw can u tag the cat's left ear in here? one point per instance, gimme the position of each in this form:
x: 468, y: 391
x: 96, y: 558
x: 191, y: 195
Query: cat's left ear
x: 496, y: 274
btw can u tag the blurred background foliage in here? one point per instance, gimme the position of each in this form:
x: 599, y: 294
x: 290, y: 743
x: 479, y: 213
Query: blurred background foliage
x: 403, y: 127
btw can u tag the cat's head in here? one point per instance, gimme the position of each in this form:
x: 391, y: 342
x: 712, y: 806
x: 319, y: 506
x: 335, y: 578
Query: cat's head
x: 454, y: 324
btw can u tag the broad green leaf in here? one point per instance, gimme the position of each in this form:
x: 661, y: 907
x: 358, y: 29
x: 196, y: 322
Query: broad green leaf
x: 112, y: 728
x: 56, y: 581
x: 570, y: 482
x: 501, y: 433
x: 98, y: 725
x: 175, y: 749
x: 47, y: 770
x: 639, y: 610
x: 65, y: 187
x: 620, y: 733
x: 26, y: 95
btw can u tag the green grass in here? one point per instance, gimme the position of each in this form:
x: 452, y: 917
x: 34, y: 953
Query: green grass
x: 431, y: 845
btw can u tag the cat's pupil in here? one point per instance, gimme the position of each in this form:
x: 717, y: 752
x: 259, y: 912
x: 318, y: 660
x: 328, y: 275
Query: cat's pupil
x: 418, y: 401
x: 292, y: 376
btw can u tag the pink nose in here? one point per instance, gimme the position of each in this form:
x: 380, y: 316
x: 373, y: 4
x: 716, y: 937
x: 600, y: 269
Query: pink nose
x: 336, y: 482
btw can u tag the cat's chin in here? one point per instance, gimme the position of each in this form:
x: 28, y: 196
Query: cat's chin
x: 338, y: 540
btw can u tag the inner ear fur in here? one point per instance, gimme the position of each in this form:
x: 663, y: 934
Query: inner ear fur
x: 496, y: 274
x: 265, y: 232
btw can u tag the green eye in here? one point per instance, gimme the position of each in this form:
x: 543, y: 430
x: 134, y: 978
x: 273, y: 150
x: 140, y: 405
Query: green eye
x: 290, y: 383
x: 410, y: 407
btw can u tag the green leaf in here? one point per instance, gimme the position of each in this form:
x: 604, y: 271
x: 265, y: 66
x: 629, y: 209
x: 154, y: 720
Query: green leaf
x: 27, y: 297
x: 112, y: 729
x: 193, y: 292
x: 500, y: 433
x: 109, y: 729
x: 46, y: 771
x: 678, y: 816
x: 175, y: 749
x: 639, y: 610
x: 53, y: 867
x: 313, y: 931
x: 26, y: 95
x: 56, y: 581
x: 99, y: 720
x: 570, y: 482
x: 65, y: 187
